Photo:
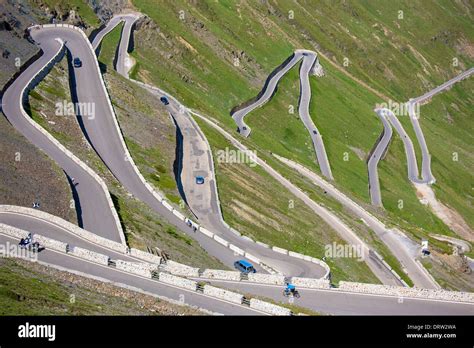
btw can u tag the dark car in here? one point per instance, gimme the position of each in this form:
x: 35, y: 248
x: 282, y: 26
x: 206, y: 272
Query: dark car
x: 199, y: 180
x: 244, y: 266
x: 164, y: 100
x: 77, y: 62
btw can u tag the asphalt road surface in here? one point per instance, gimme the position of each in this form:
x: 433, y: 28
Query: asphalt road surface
x: 91, y: 203
x: 203, y: 199
x: 72, y: 263
x: 389, y: 119
x: 102, y: 125
x: 325, y: 301
x: 338, y: 302
x: 401, y: 247
x: 309, y: 62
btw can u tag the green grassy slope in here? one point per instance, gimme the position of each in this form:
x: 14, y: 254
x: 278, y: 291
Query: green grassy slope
x: 143, y: 227
x: 390, y: 54
x: 81, y: 7
x: 450, y: 116
x: 398, y: 53
x: 31, y: 289
x: 197, y: 60
x: 259, y: 207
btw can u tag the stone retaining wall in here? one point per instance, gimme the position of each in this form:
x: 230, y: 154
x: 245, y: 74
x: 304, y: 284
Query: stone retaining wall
x: 219, y: 274
x: 400, y: 291
x: 177, y: 281
x: 266, y: 278
x: 145, y: 256
x: 180, y: 269
x: 50, y: 243
x: 134, y: 267
x: 311, y: 283
x: 13, y: 231
x: 268, y: 307
x: 223, y: 294
x: 90, y: 255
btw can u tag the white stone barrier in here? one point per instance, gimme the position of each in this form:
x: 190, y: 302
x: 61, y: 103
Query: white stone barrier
x: 167, y: 205
x: 73, y: 229
x: 13, y: 231
x: 311, y: 283
x: 139, y: 254
x: 400, y: 291
x: 248, y: 239
x: 50, y: 243
x: 236, y: 249
x: 269, y: 308
x: 221, y: 241
x: 142, y: 269
x: 177, y: 281
x: 223, y: 294
x: 63, y: 149
x: 219, y: 274
x: 179, y: 215
x: 180, y: 269
x: 275, y: 279
x: 90, y: 255
x: 263, y: 244
x: 206, y: 232
x: 297, y: 255
x: 280, y: 250
x: 253, y: 258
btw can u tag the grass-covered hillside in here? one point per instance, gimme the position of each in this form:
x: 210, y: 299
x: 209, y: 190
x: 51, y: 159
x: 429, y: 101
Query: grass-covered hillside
x: 203, y: 46
x: 28, y: 288
x: 153, y: 150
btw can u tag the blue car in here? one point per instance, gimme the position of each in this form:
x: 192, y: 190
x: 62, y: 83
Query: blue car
x: 164, y: 100
x: 244, y: 266
x: 199, y: 180
x: 77, y: 62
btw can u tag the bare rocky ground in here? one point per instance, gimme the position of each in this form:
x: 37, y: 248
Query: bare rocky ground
x: 33, y: 176
x: 31, y: 288
x: 451, y: 271
x: 150, y: 137
x: 28, y: 175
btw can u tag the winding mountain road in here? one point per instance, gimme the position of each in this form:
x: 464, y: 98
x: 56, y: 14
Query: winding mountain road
x: 309, y: 66
x: 389, y: 120
x: 399, y: 245
x: 197, y: 160
x: 92, y: 203
x: 330, y: 301
x: 104, y: 135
